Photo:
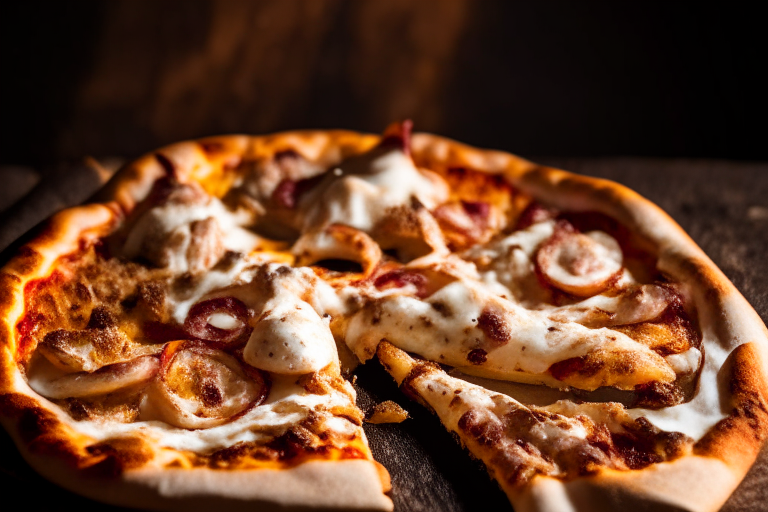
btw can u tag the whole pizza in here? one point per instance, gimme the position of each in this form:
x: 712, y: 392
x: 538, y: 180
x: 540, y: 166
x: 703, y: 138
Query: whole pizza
x: 189, y: 339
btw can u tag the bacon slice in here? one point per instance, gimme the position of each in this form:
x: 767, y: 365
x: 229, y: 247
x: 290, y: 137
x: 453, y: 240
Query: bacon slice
x: 582, y: 264
x: 518, y: 443
x: 202, y: 387
x: 107, y: 379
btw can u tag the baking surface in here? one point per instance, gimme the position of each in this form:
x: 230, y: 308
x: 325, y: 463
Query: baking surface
x: 723, y: 205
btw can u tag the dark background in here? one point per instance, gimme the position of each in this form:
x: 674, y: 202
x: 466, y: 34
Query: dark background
x: 554, y: 78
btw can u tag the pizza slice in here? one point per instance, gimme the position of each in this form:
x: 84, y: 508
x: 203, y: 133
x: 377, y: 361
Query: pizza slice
x: 564, y: 455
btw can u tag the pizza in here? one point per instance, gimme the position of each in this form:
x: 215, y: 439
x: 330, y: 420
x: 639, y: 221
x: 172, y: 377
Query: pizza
x: 191, y: 337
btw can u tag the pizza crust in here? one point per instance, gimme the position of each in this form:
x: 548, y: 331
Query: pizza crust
x: 734, y: 340
x: 315, y: 485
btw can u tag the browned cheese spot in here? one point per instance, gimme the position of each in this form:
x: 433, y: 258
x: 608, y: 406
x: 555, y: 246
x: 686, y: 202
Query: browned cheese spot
x: 491, y: 322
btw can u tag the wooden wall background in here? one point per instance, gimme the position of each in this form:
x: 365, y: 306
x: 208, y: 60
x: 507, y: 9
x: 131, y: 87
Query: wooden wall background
x: 552, y: 78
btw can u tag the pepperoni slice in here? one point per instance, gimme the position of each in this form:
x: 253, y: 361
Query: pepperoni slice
x: 582, y: 264
x: 229, y: 313
x: 202, y: 387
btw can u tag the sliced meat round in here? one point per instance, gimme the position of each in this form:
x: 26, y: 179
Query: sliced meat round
x: 582, y: 264
x: 202, y: 387
x: 633, y: 305
x: 223, y: 320
x: 107, y: 379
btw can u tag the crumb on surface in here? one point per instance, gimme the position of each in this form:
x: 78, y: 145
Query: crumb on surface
x: 387, y: 412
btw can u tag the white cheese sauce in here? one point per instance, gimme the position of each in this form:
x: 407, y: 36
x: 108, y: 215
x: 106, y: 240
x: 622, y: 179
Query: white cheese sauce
x: 360, y: 193
x: 445, y: 327
x: 173, y: 220
x: 290, y: 338
x: 508, y: 263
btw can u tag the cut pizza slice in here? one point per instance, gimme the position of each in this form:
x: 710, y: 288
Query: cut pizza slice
x: 519, y: 444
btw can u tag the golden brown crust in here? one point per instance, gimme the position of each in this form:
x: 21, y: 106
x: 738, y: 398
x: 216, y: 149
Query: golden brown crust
x: 735, y: 341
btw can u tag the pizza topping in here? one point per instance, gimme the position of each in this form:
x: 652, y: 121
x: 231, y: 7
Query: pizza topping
x: 686, y: 362
x: 225, y: 315
x: 338, y: 241
x: 106, y: 379
x: 288, y: 192
x: 509, y: 262
x: 189, y: 231
x: 398, y: 135
x: 279, y: 178
x: 86, y: 350
x: 201, y: 387
x: 401, y: 278
x: 290, y: 338
x: 632, y: 305
x: 206, y: 245
x: 535, y: 213
x: 464, y: 222
x: 101, y: 343
x: 229, y: 313
x: 518, y: 343
x: 185, y: 293
x: 365, y: 190
x: 491, y: 322
x: 582, y: 264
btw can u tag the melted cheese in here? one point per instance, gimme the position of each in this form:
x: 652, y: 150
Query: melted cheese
x: 685, y: 363
x: 290, y: 338
x: 361, y: 191
x: 173, y: 220
x: 213, y: 280
x: 446, y: 328
x: 633, y: 305
x: 696, y: 417
x: 508, y: 263
x: 291, y: 333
